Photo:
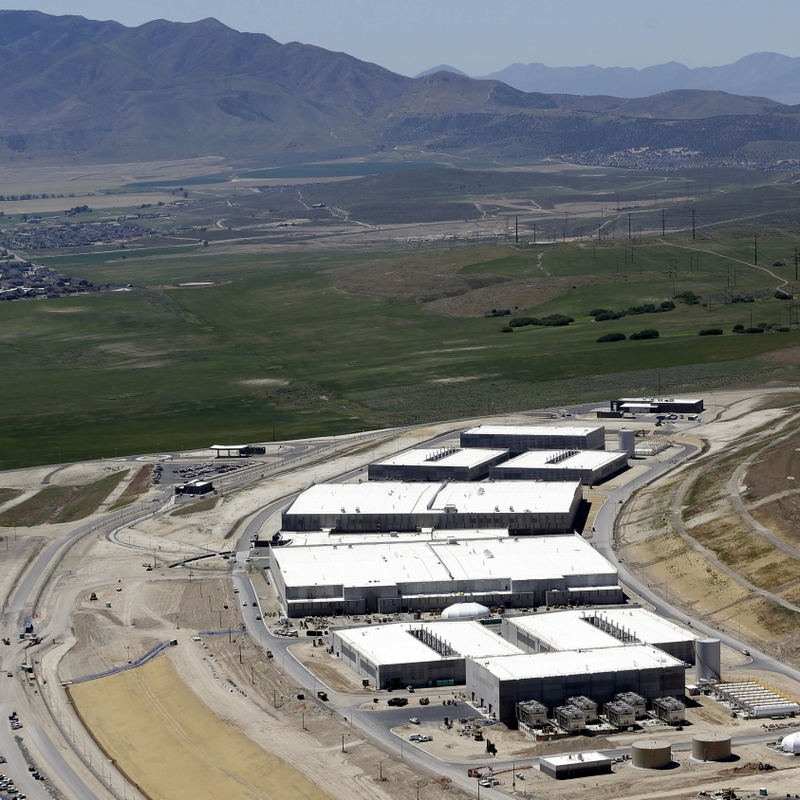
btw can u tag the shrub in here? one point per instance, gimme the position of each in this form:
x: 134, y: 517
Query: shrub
x: 647, y: 308
x: 711, y: 332
x: 742, y: 298
x: 609, y: 315
x: 595, y: 312
x: 555, y: 320
x: 521, y: 322
x: 666, y: 305
x: 778, y: 263
x: 612, y: 337
x: 647, y: 333
x: 738, y: 328
x: 507, y: 329
x: 690, y: 298
x: 781, y: 295
x: 754, y: 330
x: 498, y: 312
x: 782, y: 329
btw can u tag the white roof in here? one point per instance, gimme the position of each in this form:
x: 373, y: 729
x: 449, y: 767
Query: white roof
x: 583, y: 459
x: 577, y: 662
x: 426, y: 534
x: 564, y: 630
x: 659, y: 400
x: 567, y: 630
x: 458, y: 457
x: 646, y: 626
x: 393, y: 562
x: 228, y: 446
x: 535, y: 430
x: 575, y: 758
x: 393, y: 644
x: 396, y: 497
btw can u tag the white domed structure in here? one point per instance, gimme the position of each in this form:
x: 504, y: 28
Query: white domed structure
x: 791, y: 743
x: 465, y: 611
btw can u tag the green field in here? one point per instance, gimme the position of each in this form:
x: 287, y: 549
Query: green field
x: 298, y: 342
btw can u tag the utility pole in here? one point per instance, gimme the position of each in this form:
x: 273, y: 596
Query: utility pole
x: 534, y: 233
x: 755, y: 249
x: 694, y: 231
x: 516, y: 230
x: 795, y: 265
x: 629, y: 224
x: 663, y: 224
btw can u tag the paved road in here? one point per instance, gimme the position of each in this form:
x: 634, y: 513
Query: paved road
x: 17, y: 765
x: 56, y: 762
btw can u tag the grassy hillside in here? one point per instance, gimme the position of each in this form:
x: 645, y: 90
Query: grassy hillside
x: 285, y: 341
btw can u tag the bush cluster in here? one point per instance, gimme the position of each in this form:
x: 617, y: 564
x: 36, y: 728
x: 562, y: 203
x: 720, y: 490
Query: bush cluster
x: 551, y: 321
x: 711, y: 332
x: 603, y: 314
x: 612, y: 337
x: 647, y: 333
x: 690, y: 298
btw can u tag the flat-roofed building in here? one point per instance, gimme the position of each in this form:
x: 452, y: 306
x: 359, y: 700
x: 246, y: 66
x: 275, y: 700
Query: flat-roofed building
x: 555, y: 631
x: 416, y: 654
x: 575, y: 765
x: 497, y: 684
x: 599, y: 628
x: 639, y: 624
x: 438, y: 464
x: 427, y: 574
x: 587, y: 466
x: 521, y: 507
x: 521, y: 438
x: 655, y: 405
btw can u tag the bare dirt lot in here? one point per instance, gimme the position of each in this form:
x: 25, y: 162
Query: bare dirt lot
x: 140, y: 715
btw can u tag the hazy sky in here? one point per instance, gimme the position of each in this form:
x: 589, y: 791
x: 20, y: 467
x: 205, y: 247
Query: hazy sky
x: 482, y: 36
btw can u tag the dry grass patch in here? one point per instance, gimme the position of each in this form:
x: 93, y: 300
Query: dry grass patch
x: 715, y: 533
x: 769, y: 473
x: 792, y: 594
x: 777, y: 571
x: 777, y: 620
x: 781, y: 516
x: 202, y: 505
x: 744, y: 550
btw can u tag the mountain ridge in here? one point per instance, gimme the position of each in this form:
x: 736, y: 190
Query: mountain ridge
x: 77, y: 88
x: 763, y: 74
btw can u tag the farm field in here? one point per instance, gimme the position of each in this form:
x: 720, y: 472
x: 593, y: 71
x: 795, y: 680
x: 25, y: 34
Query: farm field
x: 318, y: 333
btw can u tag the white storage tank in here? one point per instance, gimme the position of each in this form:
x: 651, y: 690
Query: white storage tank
x: 651, y: 754
x: 711, y: 747
x: 708, y: 666
x: 627, y: 442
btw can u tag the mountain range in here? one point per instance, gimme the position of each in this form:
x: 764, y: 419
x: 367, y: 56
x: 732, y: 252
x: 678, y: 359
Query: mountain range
x: 76, y: 88
x: 762, y: 74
